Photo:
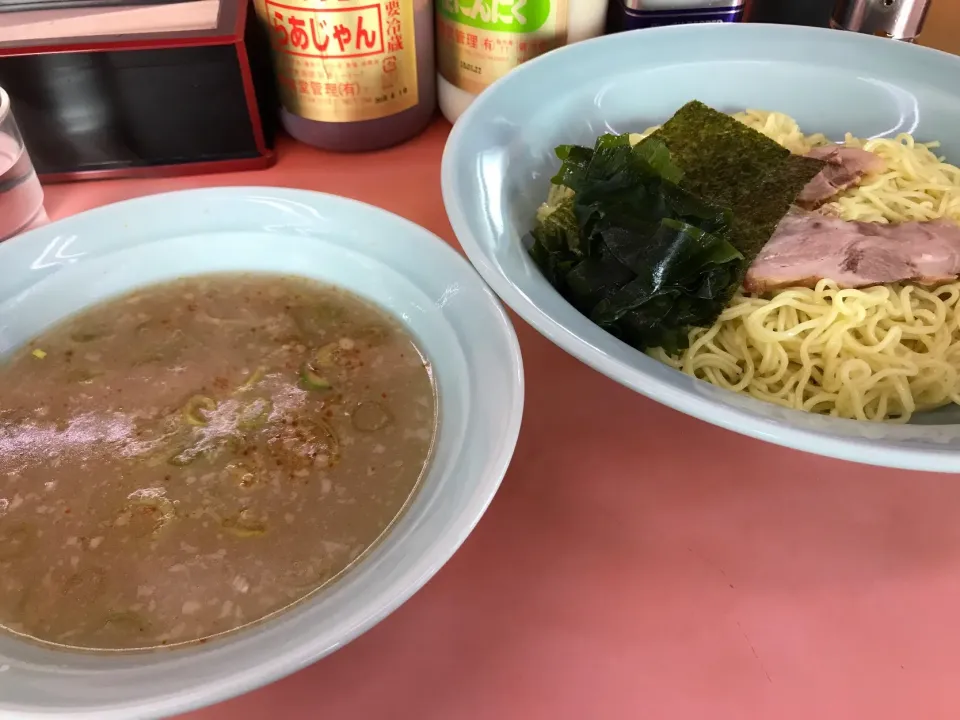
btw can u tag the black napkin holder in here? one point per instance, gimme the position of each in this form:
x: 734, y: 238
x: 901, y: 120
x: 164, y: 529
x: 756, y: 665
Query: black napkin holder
x: 146, y: 104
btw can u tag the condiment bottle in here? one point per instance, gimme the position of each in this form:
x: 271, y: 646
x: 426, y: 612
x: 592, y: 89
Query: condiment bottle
x: 353, y: 75
x: 813, y: 13
x: 895, y: 19
x: 480, y: 41
x: 636, y: 14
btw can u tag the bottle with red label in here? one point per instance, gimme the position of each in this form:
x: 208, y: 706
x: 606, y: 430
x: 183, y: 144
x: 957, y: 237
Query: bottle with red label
x: 353, y: 75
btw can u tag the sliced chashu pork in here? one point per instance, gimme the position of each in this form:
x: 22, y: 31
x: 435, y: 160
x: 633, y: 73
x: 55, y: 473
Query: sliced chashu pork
x: 845, y: 167
x: 808, y: 247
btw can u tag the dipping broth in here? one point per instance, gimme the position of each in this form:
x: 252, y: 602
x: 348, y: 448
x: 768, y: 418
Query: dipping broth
x: 195, y: 456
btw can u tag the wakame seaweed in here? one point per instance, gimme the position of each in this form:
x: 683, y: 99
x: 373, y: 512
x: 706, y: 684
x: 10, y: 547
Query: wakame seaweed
x: 655, y: 238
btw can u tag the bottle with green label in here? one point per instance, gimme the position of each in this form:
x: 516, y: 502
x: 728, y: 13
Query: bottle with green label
x: 480, y: 41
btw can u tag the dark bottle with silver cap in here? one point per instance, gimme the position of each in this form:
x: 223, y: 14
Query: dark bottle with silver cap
x: 635, y: 14
x: 896, y: 19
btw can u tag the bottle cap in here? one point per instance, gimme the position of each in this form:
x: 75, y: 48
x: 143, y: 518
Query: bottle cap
x: 896, y: 19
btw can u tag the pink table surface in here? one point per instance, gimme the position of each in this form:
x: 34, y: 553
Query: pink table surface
x: 636, y: 563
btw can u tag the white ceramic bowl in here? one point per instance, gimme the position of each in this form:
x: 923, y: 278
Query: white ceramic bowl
x: 53, y: 271
x: 499, y: 160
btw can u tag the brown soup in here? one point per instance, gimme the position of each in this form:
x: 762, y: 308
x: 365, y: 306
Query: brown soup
x: 195, y: 456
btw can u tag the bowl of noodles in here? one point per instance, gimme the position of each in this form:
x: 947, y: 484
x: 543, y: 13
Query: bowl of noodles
x: 756, y: 225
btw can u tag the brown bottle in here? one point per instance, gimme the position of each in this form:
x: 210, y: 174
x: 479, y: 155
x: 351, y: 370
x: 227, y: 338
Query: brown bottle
x: 353, y: 75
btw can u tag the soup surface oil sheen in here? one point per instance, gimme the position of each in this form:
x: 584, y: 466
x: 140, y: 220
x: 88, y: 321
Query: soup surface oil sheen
x: 192, y: 457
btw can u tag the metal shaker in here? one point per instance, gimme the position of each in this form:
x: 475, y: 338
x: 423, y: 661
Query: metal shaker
x: 895, y: 19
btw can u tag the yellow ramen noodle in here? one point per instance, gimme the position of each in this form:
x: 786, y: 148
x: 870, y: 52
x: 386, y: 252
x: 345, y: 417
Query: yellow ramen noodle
x: 879, y: 353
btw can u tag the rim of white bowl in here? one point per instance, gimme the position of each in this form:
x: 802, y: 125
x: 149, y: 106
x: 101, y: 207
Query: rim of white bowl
x: 264, y: 671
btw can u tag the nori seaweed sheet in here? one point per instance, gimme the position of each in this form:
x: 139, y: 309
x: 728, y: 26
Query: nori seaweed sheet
x: 729, y: 164
x: 658, y: 236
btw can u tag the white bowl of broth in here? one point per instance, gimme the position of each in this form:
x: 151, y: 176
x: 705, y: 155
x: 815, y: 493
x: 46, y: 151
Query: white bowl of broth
x: 237, y: 428
x: 851, y: 365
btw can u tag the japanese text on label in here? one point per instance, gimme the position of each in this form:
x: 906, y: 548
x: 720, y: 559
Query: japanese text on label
x: 343, y: 60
